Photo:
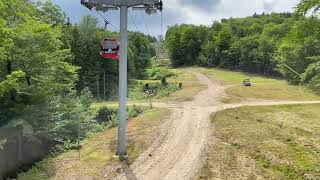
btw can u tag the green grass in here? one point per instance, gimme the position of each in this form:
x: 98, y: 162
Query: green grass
x: 115, y: 104
x: 235, y: 78
x: 136, y: 89
x: 98, y: 152
x: 269, y: 142
x: 191, y: 85
x: 263, y: 87
x: 274, y: 91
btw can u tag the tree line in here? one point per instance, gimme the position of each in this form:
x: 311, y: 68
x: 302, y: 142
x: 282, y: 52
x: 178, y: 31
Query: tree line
x: 51, y: 70
x: 268, y: 44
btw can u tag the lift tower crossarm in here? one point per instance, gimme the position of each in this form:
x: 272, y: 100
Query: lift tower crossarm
x: 119, y: 3
x: 105, y: 5
x: 150, y: 6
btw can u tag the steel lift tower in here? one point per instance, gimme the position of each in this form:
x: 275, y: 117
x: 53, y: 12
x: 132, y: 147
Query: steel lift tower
x: 150, y: 7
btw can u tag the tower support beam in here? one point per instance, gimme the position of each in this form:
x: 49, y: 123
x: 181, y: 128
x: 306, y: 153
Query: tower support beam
x: 123, y: 79
x: 150, y: 6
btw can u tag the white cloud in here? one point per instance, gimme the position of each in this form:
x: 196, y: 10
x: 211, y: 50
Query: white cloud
x: 188, y: 11
x: 226, y: 9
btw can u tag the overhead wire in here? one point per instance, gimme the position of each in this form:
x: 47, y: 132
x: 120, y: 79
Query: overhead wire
x: 147, y: 28
x: 145, y: 23
x: 107, y: 21
x: 161, y: 24
x: 135, y: 24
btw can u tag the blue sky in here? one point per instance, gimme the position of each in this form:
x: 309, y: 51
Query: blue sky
x: 183, y: 11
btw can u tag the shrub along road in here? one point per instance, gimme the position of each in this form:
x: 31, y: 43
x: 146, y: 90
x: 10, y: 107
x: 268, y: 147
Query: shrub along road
x: 180, y: 153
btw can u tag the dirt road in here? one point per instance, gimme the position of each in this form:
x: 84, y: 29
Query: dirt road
x: 178, y: 152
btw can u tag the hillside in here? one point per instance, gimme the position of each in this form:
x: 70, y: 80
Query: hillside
x: 89, y: 93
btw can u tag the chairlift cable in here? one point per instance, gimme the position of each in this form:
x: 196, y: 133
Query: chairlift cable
x: 145, y: 23
x: 105, y: 20
x: 291, y: 69
x: 161, y: 24
x: 133, y: 21
x: 148, y: 32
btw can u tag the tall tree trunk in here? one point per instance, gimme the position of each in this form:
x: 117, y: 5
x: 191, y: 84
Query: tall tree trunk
x: 79, y: 137
x: 9, y: 67
x: 104, y: 85
x: 9, y: 70
x: 28, y: 78
x: 98, y: 88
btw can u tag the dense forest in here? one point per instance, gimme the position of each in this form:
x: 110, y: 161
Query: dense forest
x: 51, y: 70
x: 268, y: 44
x: 51, y: 73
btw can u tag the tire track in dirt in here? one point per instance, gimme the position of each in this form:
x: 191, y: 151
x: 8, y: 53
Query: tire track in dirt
x: 179, y: 151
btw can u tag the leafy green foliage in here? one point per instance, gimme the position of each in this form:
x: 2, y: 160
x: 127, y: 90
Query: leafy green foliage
x: 184, y: 44
x: 241, y: 44
x: 268, y: 44
x: 36, y: 65
x: 85, y: 45
x: 140, y: 53
x: 137, y: 88
x: 158, y: 73
x: 51, y: 71
x: 52, y: 14
x: 298, y: 49
x: 11, y: 82
x: 134, y: 111
x: 108, y: 116
x: 312, y: 75
x: 308, y: 5
x: 48, y: 67
x: 94, y: 70
x: 104, y: 114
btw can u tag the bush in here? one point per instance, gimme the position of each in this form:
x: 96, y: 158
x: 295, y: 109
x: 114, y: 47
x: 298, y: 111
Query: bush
x: 134, y: 111
x: 161, y: 90
x: 108, y: 117
x: 315, y: 84
x: 159, y: 73
x: 164, y: 81
x: 312, y: 77
x: 104, y: 114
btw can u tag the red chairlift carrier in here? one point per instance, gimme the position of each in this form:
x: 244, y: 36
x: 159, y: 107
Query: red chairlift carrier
x: 110, y: 48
